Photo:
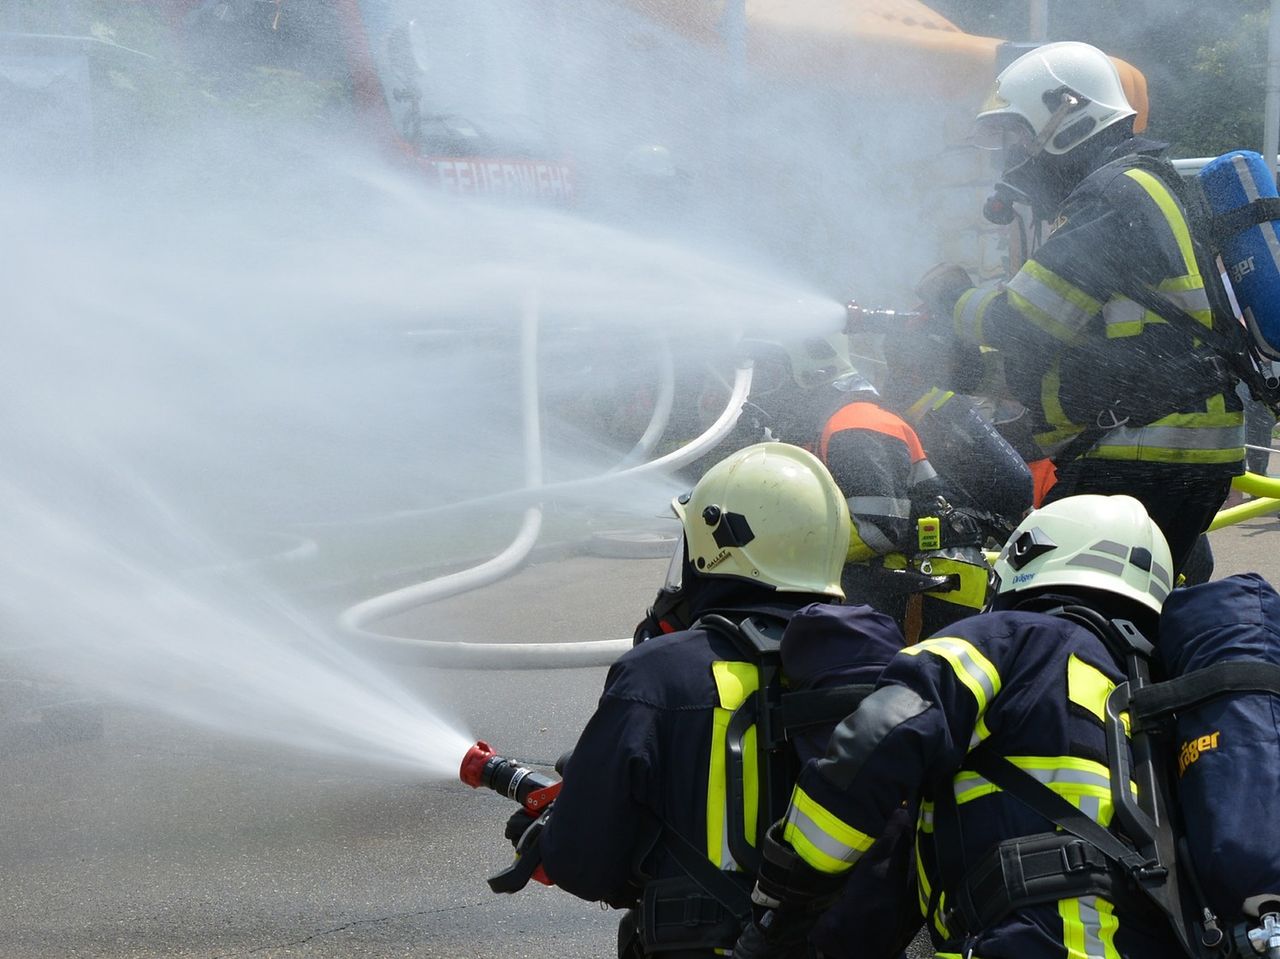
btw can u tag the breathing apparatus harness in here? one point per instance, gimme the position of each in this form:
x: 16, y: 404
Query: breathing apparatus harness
x: 707, y: 907
x: 1223, y: 349
x: 1144, y: 863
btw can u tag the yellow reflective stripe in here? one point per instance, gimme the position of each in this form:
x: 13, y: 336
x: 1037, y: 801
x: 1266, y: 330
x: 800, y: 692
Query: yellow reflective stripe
x: 924, y: 891
x: 1053, y: 304
x: 734, y: 683
x: 972, y: 591
x: 924, y: 822
x: 1084, y: 783
x: 970, y: 666
x: 858, y: 551
x: 1088, y: 928
x: 821, y: 838
x: 1123, y: 317
x: 933, y: 398
x: 1088, y: 686
x: 970, y: 312
x: 1171, y: 212
x: 1179, y: 438
x: 1061, y: 429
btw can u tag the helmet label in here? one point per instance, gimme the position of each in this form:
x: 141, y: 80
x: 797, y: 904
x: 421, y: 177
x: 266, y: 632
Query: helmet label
x: 719, y: 558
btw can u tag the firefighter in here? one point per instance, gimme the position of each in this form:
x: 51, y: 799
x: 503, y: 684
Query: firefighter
x: 655, y: 816
x: 1123, y: 400
x: 1022, y: 687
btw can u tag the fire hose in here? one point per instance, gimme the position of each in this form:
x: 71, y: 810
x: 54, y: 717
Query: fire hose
x: 463, y: 655
x: 483, y: 768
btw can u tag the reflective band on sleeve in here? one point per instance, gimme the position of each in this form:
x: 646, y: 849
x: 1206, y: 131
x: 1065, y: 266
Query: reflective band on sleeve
x: 1059, y: 308
x: 921, y: 471
x: 972, y: 668
x: 821, y: 838
x: 876, y: 541
x: 971, y: 310
x: 879, y: 506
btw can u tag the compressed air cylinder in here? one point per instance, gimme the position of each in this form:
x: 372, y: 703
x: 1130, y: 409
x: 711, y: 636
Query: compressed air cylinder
x: 1252, y: 256
x: 1227, y: 762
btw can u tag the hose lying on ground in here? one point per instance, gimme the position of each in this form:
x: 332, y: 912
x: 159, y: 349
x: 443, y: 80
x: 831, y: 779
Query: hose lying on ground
x: 461, y: 655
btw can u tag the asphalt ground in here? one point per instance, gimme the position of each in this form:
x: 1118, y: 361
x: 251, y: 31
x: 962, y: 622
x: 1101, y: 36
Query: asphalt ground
x: 158, y: 839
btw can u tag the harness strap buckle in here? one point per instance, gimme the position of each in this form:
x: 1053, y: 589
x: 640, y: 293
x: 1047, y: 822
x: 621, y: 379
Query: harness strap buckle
x: 1109, y: 420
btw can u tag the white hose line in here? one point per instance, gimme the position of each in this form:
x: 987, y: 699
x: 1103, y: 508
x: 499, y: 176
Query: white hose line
x: 662, y: 407
x: 462, y: 655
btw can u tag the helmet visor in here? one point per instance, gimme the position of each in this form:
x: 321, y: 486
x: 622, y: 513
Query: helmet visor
x: 675, y: 568
x: 1003, y: 131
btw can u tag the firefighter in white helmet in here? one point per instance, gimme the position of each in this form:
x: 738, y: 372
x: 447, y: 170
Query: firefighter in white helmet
x: 1023, y: 689
x: 673, y: 780
x: 1124, y: 396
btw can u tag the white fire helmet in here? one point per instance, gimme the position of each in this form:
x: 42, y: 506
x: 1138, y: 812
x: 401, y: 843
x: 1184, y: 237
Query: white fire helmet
x: 1105, y: 543
x: 769, y: 514
x: 1052, y: 99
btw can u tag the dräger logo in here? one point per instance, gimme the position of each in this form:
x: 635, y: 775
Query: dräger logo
x: 1023, y: 578
x: 1192, y: 749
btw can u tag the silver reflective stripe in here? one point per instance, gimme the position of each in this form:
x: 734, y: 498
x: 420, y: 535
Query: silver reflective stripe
x: 969, y: 319
x: 1044, y: 297
x: 926, y: 818
x: 1162, y: 574
x: 872, y: 535
x: 1103, y: 563
x: 921, y: 470
x: 1176, y: 437
x: 1158, y: 591
x: 1122, y: 310
x: 1081, y: 777
x: 1091, y: 806
x: 1107, y: 546
x: 880, y: 506
x: 1251, y: 191
x: 823, y: 841
x: 1091, y: 921
x: 961, y: 650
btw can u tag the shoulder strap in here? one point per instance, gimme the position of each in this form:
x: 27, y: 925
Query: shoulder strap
x: 813, y: 707
x: 721, y: 886
x: 776, y: 715
x: 1029, y: 791
x: 1200, y: 685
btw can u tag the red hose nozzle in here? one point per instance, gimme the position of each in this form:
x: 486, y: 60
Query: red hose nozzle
x: 473, y: 763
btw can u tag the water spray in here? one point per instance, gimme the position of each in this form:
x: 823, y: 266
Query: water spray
x: 482, y: 767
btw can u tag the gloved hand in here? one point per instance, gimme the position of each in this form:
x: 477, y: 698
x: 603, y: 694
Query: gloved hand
x: 523, y: 827
x: 778, y: 934
x: 787, y: 880
x: 940, y: 288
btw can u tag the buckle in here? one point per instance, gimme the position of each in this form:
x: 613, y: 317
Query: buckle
x: 1108, y: 420
x: 1076, y: 858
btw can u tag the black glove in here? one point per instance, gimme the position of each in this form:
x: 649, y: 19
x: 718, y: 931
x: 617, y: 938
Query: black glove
x: 940, y: 288
x: 781, y: 933
x: 523, y: 827
x: 786, y: 880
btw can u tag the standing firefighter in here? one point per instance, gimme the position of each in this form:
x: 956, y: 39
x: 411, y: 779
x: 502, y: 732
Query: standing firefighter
x: 1019, y: 693
x: 1124, y: 400
x: 693, y: 748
